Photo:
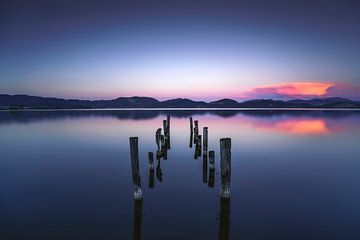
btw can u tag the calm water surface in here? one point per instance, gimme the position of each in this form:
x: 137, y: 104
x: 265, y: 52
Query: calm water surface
x: 67, y: 175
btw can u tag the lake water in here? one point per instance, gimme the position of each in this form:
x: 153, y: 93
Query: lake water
x: 67, y: 175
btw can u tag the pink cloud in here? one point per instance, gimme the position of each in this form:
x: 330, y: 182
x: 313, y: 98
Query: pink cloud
x: 304, y: 90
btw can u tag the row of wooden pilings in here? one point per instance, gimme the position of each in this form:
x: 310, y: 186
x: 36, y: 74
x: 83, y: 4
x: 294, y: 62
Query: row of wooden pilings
x: 201, y: 148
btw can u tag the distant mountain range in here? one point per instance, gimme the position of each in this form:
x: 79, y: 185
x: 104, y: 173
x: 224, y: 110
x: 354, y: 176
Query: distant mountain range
x: 33, y: 102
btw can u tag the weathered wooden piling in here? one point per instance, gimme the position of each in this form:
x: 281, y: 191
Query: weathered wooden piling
x: 168, y: 131
x: 191, y: 139
x: 151, y: 160
x: 168, y: 123
x: 134, y: 153
x: 224, y: 223
x: 159, y: 172
x: 191, y: 125
x: 205, y: 141
x: 165, y: 127
x: 211, y: 160
x: 137, y: 219
x: 225, y: 165
x: 197, y: 148
x: 158, y: 138
x: 196, y: 131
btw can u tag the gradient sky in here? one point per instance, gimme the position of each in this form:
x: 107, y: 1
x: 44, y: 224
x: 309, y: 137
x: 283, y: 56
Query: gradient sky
x: 198, y: 49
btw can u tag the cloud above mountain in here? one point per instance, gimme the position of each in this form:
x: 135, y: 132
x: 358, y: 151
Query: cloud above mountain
x: 293, y: 90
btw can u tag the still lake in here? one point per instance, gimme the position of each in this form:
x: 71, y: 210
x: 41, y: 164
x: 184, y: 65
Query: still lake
x: 67, y: 175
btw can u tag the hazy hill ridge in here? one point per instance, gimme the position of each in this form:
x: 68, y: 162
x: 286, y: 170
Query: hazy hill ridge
x: 34, y: 102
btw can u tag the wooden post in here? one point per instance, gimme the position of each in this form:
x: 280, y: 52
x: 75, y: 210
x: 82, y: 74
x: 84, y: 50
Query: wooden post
x: 225, y: 165
x: 168, y: 123
x: 191, y: 125
x: 199, y: 145
x: 137, y: 219
x: 198, y: 148
x: 165, y: 127
x: 196, y: 131
x: 191, y: 140
x: 159, y: 172
x: 224, y: 224
x: 168, y: 131
x: 158, y: 137
x: 205, y: 141
x: 211, y: 182
x: 134, y: 153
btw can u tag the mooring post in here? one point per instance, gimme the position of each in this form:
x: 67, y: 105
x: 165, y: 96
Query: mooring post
x: 191, y: 125
x: 198, y: 147
x: 168, y: 131
x: 225, y: 165
x: 158, y: 137
x: 191, y: 140
x: 196, y: 131
x: 168, y: 123
x: 159, y: 172
x: 205, y: 141
x: 134, y: 153
x: 164, y: 127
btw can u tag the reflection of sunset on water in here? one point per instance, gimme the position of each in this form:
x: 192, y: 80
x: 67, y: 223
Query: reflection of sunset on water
x: 301, y: 126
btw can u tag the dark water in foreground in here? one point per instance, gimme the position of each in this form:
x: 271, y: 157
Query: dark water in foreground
x: 67, y: 175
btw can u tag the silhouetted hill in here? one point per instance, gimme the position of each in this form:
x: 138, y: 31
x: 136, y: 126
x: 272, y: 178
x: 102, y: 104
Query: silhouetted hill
x: 321, y: 101
x: 183, y: 103
x: 33, y: 102
x: 224, y: 103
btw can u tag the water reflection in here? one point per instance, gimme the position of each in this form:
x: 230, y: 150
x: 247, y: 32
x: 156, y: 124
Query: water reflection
x: 224, y: 223
x: 137, y: 219
x: 274, y: 166
x: 297, y: 122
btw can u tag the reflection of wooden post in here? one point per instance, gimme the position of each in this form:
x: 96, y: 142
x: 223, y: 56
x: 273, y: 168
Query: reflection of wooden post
x: 211, y: 160
x: 137, y: 219
x: 225, y: 165
x: 211, y: 182
x: 151, y: 160
x: 134, y: 153
x: 205, y: 141
x: 205, y: 168
x: 151, y: 169
x: 224, y: 224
